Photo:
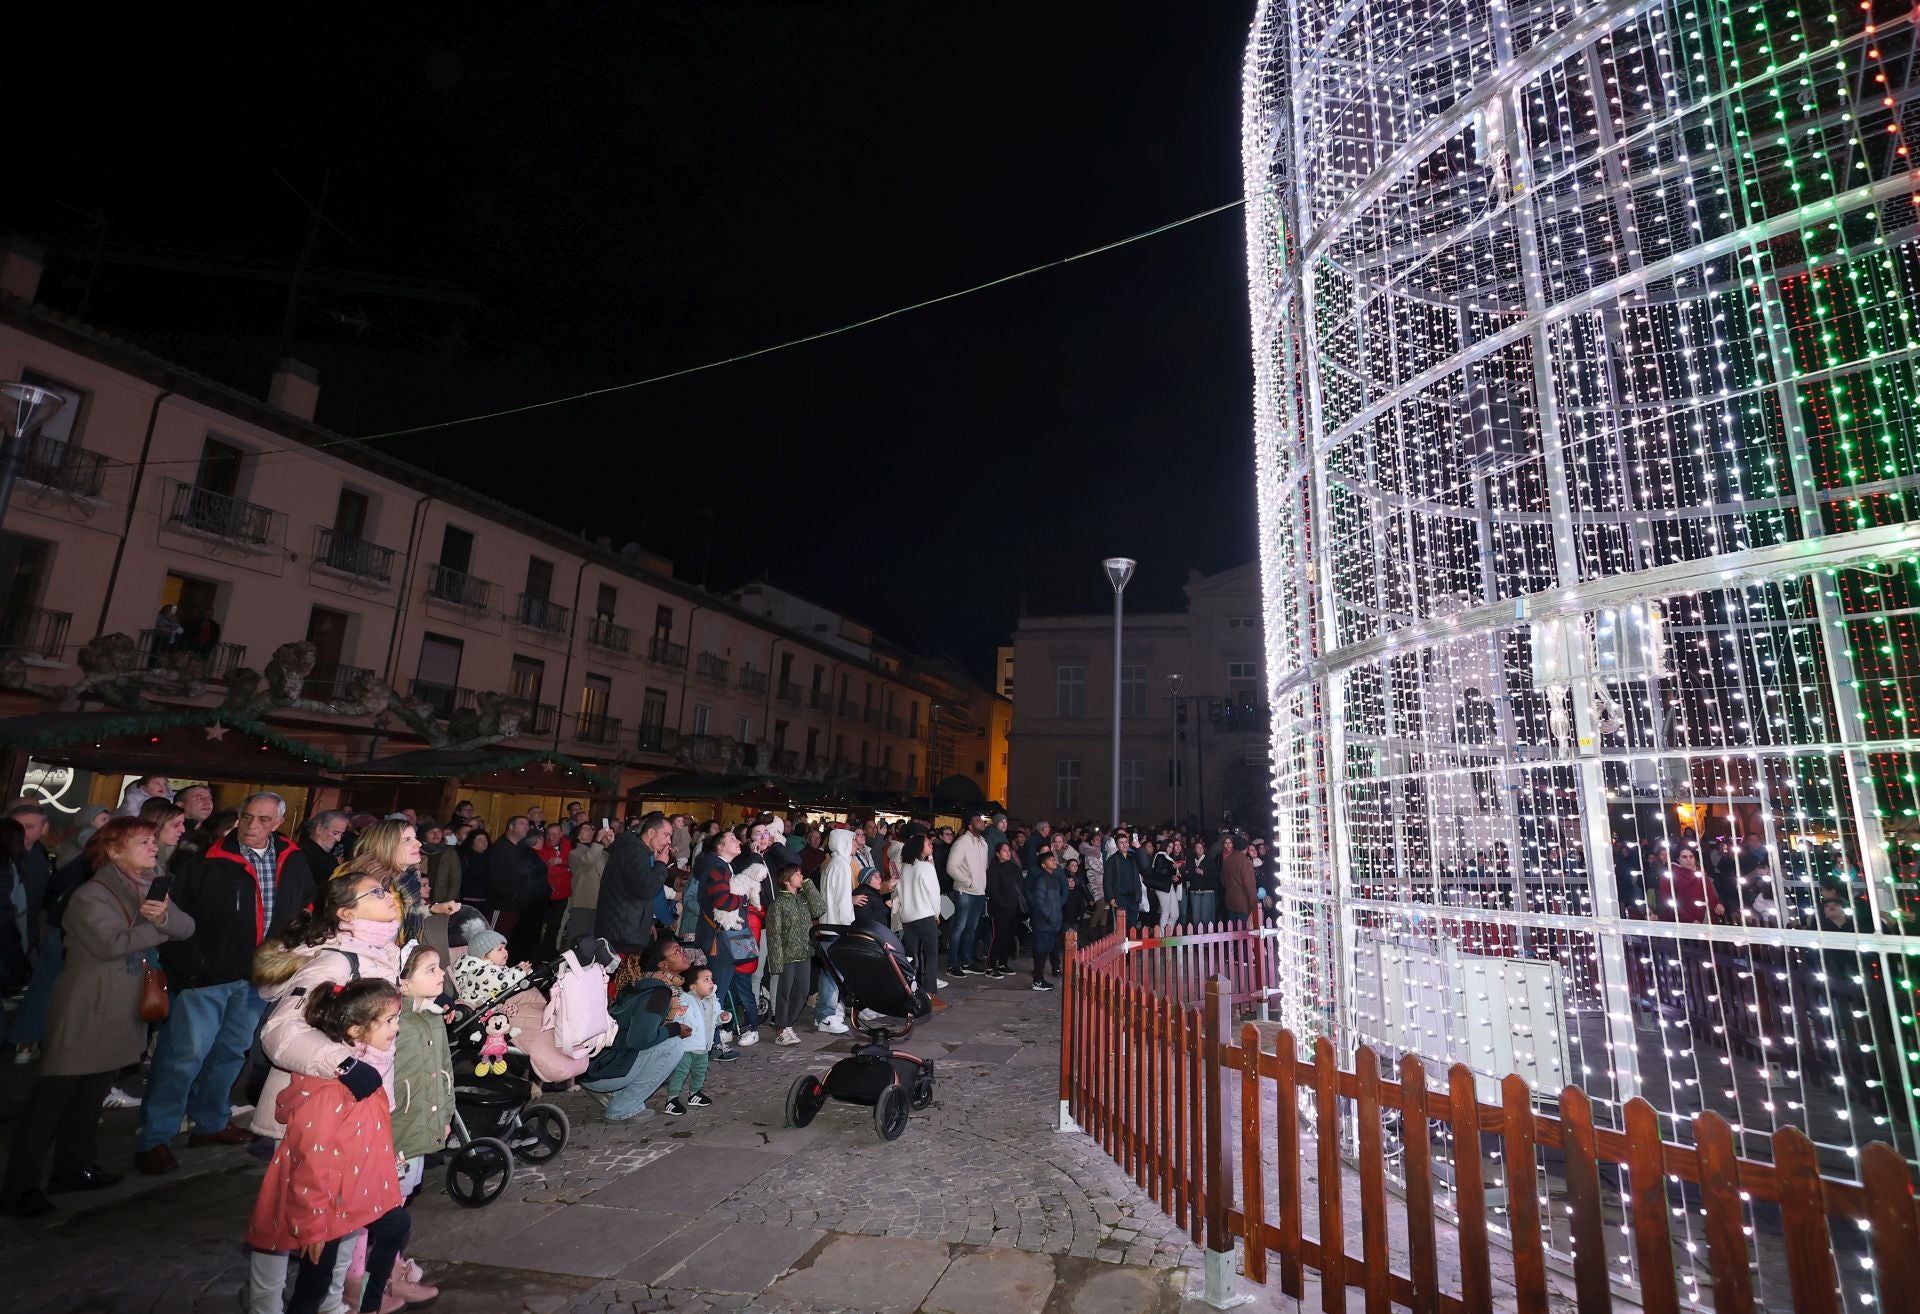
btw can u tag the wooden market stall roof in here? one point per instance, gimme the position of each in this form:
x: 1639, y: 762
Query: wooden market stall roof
x: 194, y: 742
x: 524, y: 770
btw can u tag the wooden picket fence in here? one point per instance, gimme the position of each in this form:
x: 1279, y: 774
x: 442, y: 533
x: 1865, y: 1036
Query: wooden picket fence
x: 1147, y: 1055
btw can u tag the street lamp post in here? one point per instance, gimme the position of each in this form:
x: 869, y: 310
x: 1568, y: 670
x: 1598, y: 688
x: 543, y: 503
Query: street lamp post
x: 24, y: 407
x: 1119, y: 571
x: 1173, y: 743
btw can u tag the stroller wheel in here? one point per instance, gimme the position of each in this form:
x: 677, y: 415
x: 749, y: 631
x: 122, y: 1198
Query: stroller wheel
x: 806, y: 1097
x: 479, y: 1171
x: 890, y: 1112
x: 922, y: 1091
x: 543, y: 1133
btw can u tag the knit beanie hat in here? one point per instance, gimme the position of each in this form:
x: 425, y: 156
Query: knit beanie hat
x: 482, y: 943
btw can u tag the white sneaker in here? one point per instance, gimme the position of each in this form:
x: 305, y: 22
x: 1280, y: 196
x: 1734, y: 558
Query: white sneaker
x: 938, y: 984
x: 833, y: 1026
x: 119, y: 1099
x: 868, y: 1015
x: 25, y: 1054
x: 748, y: 1038
x: 787, y: 1037
x: 242, y: 1110
x: 726, y: 1038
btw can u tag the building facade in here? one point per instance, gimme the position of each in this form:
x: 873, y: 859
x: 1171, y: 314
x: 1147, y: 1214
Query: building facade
x: 1192, y: 712
x: 211, y: 528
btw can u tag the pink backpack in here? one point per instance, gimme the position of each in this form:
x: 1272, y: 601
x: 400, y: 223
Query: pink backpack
x: 576, y: 1013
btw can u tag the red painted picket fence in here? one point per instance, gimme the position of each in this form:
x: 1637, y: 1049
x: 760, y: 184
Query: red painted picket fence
x: 1147, y: 1054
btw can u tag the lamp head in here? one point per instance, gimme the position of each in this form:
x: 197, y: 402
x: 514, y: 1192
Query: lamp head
x: 24, y: 407
x: 1119, y: 571
x: 1173, y: 685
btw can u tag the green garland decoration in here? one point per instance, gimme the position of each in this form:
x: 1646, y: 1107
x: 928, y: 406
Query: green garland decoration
x: 147, y: 723
x: 509, y: 761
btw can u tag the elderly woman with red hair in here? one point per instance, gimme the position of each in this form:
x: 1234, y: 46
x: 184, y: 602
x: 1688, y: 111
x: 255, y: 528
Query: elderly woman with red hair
x: 94, y: 1027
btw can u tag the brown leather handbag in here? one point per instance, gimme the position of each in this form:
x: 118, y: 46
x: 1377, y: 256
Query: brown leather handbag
x: 155, y: 1003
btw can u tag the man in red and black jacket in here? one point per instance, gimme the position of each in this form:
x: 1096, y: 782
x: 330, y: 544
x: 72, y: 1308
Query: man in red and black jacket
x: 247, y: 887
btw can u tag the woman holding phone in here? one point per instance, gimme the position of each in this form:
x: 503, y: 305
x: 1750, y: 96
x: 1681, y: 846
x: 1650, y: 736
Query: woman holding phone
x: 94, y: 1027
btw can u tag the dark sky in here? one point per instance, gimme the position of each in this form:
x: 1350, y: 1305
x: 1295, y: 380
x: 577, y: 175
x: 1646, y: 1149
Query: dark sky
x: 631, y: 189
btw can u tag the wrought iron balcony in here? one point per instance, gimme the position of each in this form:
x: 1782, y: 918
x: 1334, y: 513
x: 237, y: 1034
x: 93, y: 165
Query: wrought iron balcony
x: 218, y: 660
x: 664, y: 652
x: 849, y: 708
x: 457, y: 587
x: 352, y: 556
x: 535, y: 718
x: 790, y: 693
x: 820, y: 700
x: 444, y: 699
x: 871, y: 715
x: 596, y: 729
x: 706, y: 750
x: 65, y: 466
x: 658, y: 738
x: 202, y: 511
x: 711, y: 666
x: 896, y: 726
x: 543, y: 614
x: 602, y: 633
x: 331, y: 681
x: 753, y: 681
x: 35, y: 632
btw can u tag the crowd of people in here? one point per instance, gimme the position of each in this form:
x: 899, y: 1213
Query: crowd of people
x: 285, y: 991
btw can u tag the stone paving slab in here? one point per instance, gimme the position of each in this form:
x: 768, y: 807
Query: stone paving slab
x: 742, y: 1258
x: 993, y: 1282
x: 584, y: 1240
x: 700, y: 1175
x: 882, y: 1274
x: 982, y: 1053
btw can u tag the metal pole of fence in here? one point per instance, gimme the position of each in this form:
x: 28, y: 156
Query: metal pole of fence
x: 1069, y: 993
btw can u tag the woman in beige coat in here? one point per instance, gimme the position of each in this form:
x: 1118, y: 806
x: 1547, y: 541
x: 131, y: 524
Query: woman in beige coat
x: 93, y: 1022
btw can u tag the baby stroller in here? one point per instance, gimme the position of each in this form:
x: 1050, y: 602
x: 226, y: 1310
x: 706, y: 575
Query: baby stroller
x: 494, y: 1119
x: 873, y: 972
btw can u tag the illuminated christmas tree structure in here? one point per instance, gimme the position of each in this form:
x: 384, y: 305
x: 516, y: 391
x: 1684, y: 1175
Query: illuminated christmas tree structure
x: 1589, y: 478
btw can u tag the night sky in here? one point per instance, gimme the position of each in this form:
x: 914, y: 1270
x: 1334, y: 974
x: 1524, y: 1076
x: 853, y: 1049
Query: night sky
x: 625, y: 190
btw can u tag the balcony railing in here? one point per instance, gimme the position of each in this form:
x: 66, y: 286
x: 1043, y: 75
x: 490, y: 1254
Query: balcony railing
x: 790, y: 693
x: 664, y: 652
x: 203, y: 511
x: 871, y: 715
x: 602, y: 633
x: 543, y: 614
x: 444, y: 699
x: 820, y: 700
x: 753, y: 681
x: 352, y: 556
x: 595, y: 728
x: 707, y: 749
x: 895, y: 726
x: 849, y: 708
x: 65, y: 466
x: 711, y: 666
x: 219, y: 659
x: 35, y: 632
x: 535, y: 718
x: 457, y: 587
x: 658, y: 738
x: 330, y: 681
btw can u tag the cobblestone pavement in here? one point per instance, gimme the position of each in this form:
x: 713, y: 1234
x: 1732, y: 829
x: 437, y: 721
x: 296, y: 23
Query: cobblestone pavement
x: 979, y: 1205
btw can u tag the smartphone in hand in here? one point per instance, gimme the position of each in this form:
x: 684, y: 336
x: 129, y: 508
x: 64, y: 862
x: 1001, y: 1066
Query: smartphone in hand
x: 158, y: 889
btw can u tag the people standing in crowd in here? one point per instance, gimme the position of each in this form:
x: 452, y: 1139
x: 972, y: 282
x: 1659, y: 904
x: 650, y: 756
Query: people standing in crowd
x: 473, y: 870
x: 836, y: 890
x: 1006, y: 897
x: 95, y: 1025
x: 700, y: 1014
x: 556, y: 851
x: 588, y: 864
x: 967, y: 863
x: 517, y: 882
x: 1124, y: 890
x: 242, y: 892
x: 323, y: 840
x: 139, y: 791
x: 920, y: 911
x: 630, y: 884
x: 1239, y: 890
x: 720, y: 911
x: 1685, y: 895
x: 797, y: 904
x: 1046, y: 892
x: 89, y: 820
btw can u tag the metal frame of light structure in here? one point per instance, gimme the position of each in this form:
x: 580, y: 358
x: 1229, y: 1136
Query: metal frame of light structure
x: 1587, y: 410
x: 1119, y: 571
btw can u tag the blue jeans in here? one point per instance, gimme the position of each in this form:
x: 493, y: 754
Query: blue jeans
x: 826, y: 1004
x: 29, y: 1023
x: 630, y: 1093
x: 964, y: 929
x: 1202, y: 906
x: 203, y: 1044
x: 741, y: 1003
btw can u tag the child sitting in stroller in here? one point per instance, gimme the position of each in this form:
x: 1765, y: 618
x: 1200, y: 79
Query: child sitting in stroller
x: 484, y: 975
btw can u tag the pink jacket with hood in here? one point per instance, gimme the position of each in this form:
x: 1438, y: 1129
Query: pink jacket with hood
x: 285, y: 977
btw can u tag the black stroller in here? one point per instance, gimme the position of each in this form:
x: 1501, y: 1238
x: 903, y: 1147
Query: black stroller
x: 872, y: 971
x: 494, y: 1119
